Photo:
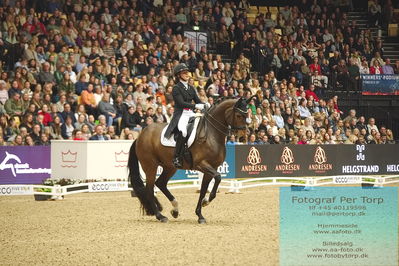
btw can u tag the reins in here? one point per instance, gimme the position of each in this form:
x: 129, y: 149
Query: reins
x: 226, y: 130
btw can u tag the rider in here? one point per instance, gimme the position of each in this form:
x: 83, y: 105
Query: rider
x: 183, y: 95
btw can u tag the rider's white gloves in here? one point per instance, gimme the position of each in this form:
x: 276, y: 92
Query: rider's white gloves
x: 200, y: 106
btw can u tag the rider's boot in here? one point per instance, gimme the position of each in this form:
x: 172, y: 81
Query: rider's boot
x: 179, y: 151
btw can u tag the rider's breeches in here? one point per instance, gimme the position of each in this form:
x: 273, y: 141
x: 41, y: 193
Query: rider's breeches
x: 183, y: 121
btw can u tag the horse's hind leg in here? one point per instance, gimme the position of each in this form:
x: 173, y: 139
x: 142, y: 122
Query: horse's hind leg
x: 162, y: 182
x: 155, y: 205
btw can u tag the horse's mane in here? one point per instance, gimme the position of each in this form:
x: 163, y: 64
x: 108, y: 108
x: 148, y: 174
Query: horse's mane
x: 221, y: 100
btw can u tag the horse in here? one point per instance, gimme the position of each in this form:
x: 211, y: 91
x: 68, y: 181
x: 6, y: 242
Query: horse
x: 208, y: 153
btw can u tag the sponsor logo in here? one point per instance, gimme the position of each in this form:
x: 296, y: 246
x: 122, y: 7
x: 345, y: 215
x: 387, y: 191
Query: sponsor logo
x: 121, y: 158
x: 107, y: 186
x: 393, y: 168
x: 5, y: 191
x: 254, y: 160
x: 223, y: 169
x: 360, y: 149
x: 16, y: 190
x: 287, y: 165
x: 320, y: 162
x: 69, y: 159
x: 347, y: 179
x: 191, y: 174
x: 360, y: 169
x: 253, y: 157
x: 13, y: 162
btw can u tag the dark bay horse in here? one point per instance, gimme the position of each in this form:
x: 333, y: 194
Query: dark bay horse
x: 208, y: 152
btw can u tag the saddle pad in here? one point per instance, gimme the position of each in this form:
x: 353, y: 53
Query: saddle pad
x: 171, y: 141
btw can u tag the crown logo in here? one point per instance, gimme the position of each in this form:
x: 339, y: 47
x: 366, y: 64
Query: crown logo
x: 254, y: 156
x: 287, y: 157
x: 320, y: 156
x: 69, y: 157
x: 121, y: 157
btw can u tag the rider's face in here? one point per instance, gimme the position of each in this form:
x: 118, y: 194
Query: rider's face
x: 184, y: 76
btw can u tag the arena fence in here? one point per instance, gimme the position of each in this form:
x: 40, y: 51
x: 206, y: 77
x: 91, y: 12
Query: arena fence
x: 231, y: 185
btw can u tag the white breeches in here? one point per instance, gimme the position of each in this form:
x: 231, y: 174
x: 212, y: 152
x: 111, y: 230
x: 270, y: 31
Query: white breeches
x: 183, y: 121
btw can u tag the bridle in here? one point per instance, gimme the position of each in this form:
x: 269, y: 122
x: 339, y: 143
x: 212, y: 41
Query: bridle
x: 223, y: 129
x: 240, y: 112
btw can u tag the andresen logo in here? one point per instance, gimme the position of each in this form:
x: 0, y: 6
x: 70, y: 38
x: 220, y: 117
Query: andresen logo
x: 254, y: 159
x: 320, y: 161
x: 287, y: 160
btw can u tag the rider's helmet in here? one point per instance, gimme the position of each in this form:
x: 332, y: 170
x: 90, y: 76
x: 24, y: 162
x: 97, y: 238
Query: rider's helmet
x: 180, y: 68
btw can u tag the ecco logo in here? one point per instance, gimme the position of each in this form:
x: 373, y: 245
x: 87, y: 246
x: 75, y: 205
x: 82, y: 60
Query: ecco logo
x: 5, y: 190
x: 100, y: 187
x: 346, y: 180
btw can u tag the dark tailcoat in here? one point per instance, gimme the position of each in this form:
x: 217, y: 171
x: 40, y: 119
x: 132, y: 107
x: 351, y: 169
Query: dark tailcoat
x: 184, y: 98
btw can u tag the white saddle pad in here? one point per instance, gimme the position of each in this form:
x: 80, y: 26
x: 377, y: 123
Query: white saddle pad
x: 171, y: 141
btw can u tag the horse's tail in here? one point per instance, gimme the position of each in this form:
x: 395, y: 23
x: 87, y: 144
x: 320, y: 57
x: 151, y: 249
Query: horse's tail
x: 137, y: 183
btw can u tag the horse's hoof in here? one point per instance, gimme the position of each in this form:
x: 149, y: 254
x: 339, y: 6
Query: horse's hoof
x: 205, y: 202
x: 174, y: 213
x: 163, y: 219
x: 202, y: 221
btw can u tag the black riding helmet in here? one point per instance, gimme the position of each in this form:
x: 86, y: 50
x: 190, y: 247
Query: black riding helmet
x: 180, y: 68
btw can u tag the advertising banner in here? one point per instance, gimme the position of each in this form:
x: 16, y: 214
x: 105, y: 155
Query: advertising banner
x: 316, y: 160
x: 90, y: 159
x: 380, y: 84
x: 24, y: 164
x: 108, y: 160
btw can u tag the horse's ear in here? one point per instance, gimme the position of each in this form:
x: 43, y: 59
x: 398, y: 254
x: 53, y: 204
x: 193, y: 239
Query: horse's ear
x: 241, y: 103
x: 249, y: 99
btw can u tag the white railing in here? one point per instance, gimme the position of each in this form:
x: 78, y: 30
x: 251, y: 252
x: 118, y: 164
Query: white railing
x: 232, y: 185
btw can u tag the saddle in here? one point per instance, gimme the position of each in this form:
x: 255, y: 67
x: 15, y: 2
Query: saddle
x: 192, y: 127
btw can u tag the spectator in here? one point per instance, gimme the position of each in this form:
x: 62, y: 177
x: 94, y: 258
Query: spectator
x: 51, y: 61
x: 88, y: 100
x: 387, y: 68
x: 14, y: 106
x: 107, y: 109
x: 376, y: 68
x: 67, y: 128
x: 354, y: 76
x: 99, y: 134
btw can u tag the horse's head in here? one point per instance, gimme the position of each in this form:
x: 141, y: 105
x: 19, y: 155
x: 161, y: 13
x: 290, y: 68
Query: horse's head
x: 239, y: 115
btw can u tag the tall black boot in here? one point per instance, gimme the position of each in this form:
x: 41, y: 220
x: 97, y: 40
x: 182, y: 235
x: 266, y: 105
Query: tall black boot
x: 179, y: 151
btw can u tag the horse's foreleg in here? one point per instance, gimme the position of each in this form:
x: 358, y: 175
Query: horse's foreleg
x: 161, y: 183
x: 204, y: 188
x: 212, y: 195
x: 209, y: 173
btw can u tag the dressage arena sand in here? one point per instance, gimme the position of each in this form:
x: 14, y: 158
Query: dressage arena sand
x: 107, y: 228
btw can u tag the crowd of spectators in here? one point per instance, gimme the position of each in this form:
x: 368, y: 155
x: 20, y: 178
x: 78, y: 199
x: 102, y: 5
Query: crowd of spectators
x: 103, y: 69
